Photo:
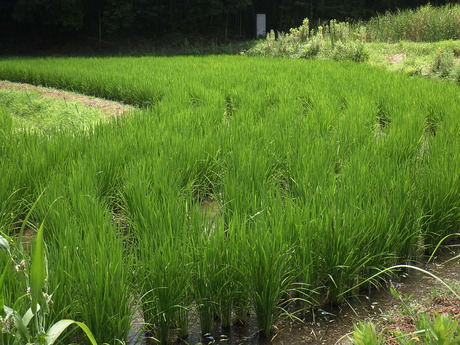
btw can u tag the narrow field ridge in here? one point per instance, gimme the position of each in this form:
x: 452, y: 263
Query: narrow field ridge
x: 107, y: 106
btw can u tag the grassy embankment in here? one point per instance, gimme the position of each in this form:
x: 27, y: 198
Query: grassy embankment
x: 418, y: 42
x: 31, y: 110
x: 240, y: 180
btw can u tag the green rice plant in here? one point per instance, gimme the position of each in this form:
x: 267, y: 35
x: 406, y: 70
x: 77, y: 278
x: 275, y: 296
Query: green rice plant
x: 6, y: 122
x: 271, y: 273
x: 74, y: 244
x: 224, y: 279
x: 10, y: 208
x: 215, y: 280
x: 159, y: 217
x: 167, y: 289
x: 323, y: 173
x: 445, y: 203
x: 237, y: 291
x: 106, y: 287
x: 204, y: 288
x: 271, y: 282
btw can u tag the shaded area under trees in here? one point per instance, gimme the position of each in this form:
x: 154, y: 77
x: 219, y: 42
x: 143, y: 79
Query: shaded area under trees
x: 51, y: 22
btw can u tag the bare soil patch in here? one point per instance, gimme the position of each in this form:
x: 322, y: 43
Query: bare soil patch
x: 397, y: 58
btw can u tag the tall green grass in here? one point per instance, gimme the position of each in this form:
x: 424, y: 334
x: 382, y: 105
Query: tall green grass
x: 242, y: 185
x: 424, y: 24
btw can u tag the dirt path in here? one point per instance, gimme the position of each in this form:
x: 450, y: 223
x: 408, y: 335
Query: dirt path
x: 108, y: 107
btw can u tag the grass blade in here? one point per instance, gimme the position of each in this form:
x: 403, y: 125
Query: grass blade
x: 38, y: 272
x: 56, y: 330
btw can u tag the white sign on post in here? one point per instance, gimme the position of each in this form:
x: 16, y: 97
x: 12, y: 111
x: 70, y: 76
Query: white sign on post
x: 261, y: 25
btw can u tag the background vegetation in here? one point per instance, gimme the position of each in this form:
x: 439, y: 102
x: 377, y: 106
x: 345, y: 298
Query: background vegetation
x: 35, y: 25
x: 422, y: 42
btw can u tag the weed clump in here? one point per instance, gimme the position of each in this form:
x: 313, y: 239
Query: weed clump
x: 336, y: 41
x: 444, y: 63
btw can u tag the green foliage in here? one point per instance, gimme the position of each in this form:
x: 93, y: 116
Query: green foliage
x: 353, y: 51
x: 31, y: 328
x: 441, y: 329
x: 243, y: 179
x: 334, y: 40
x: 443, y: 63
x: 30, y: 111
x: 425, y: 24
x: 6, y: 123
x: 37, y: 272
x: 365, y: 334
x: 343, y: 41
x: 431, y: 329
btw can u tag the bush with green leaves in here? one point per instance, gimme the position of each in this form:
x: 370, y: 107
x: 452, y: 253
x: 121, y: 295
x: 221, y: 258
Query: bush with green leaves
x: 444, y: 64
x: 335, y: 40
x: 352, y: 51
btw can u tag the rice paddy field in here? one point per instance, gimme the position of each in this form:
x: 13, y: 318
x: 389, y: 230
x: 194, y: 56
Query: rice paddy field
x: 241, y: 187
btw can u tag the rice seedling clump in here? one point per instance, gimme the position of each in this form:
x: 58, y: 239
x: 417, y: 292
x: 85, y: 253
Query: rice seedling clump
x: 241, y: 187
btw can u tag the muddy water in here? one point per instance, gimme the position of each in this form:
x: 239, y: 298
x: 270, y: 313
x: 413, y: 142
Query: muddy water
x: 329, y: 326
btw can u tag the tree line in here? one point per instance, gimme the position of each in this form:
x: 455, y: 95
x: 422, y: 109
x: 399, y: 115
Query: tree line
x: 228, y: 19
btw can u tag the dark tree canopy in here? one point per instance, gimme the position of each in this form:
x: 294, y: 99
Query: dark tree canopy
x: 223, y: 19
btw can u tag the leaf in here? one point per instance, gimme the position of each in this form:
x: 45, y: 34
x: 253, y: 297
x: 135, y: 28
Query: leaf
x: 394, y: 292
x: 38, y: 273
x: 18, y: 323
x: 4, y: 244
x: 2, y: 296
x: 25, y: 222
x: 28, y: 316
x: 56, y: 330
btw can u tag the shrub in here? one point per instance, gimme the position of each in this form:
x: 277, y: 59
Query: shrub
x: 443, y: 64
x: 351, y: 51
x: 312, y: 48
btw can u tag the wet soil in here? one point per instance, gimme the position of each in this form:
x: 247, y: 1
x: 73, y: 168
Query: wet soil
x: 378, y: 305
x: 330, y: 326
